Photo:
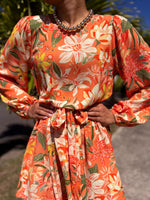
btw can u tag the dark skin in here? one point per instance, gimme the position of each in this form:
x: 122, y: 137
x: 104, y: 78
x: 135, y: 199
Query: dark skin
x: 71, y: 13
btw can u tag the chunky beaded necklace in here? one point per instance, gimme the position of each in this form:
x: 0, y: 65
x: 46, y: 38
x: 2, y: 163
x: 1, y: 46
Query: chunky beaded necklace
x: 74, y: 28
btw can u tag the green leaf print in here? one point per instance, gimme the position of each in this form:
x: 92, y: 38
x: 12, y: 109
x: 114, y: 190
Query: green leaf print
x: 52, y: 97
x: 87, y: 59
x: 14, y: 73
x: 85, y: 196
x: 89, y: 143
x: 66, y: 174
x: 34, y: 26
x: 43, y: 34
x: 38, y: 157
x: 66, y: 87
x: 131, y: 31
x: 83, y: 179
x: 44, y: 174
x: 42, y: 187
x: 113, y: 53
x: 56, y: 69
x: 42, y: 140
x: 92, y: 133
x: 97, y: 43
x: 140, y: 39
x: 133, y: 120
x: 19, y: 185
x: 36, y: 39
x: 147, y: 117
x: 125, y: 25
x: 143, y: 74
x: 67, y: 182
x: 3, y: 83
x: 94, y: 169
x: 83, y: 187
x: 138, y: 84
x: 68, y: 106
x: 54, y: 39
x: 14, y: 54
x: 37, y: 165
x: 130, y: 84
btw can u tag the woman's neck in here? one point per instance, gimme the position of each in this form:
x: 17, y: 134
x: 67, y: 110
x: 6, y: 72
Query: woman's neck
x: 71, y: 12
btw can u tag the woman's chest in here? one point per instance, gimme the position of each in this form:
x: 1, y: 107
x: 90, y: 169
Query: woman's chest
x: 89, y: 51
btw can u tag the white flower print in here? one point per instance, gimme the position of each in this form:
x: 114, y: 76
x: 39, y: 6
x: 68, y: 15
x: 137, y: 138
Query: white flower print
x: 60, y: 81
x: 102, y: 33
x: 92, y: 96
x: 77, y: 47
x: 104, y: 57
x: 94, y: 185
x: 115, y: 183
x: 78, y: 83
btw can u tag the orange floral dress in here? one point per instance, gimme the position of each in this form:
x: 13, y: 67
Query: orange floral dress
x: 69, y: 157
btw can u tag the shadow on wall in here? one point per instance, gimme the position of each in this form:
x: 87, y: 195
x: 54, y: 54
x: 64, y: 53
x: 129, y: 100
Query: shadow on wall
x: 16, y: 136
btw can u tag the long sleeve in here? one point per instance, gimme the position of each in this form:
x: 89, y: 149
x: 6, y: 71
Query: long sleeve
x: 132, y: 61
x: 14, y: 69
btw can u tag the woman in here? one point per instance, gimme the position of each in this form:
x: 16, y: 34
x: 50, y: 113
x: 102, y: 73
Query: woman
x: 74, y: 56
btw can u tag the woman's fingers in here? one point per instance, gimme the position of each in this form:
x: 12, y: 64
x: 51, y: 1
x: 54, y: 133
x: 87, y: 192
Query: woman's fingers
x: 100, y: 113
x: 39, y: 111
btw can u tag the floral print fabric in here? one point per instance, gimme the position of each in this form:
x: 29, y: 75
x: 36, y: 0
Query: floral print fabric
x: 69, y: 157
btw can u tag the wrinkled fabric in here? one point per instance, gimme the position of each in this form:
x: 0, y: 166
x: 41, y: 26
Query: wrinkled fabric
x: 69, y: 157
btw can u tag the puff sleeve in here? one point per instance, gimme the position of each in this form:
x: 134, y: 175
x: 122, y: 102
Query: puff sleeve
x: 14, y: 69
x: 132, y: 61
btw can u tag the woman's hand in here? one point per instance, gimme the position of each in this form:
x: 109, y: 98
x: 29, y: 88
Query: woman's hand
x: 100, y: 113
x: 40, y: 111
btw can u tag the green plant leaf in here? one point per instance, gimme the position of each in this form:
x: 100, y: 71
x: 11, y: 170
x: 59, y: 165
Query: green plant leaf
x: 66, y: 87
x: 131, y: 31
x: 34, y: 25
x: 3, y: 83
x: 83, y: 179
x: 92, y: 133
x: 42, y: 187
x: 44, y: 174
x: 125, y: 25
x: 38, y: 157
x: 113, y: 53
x: 43, y: 34
x: 83, y: 187
x: 55, y: 40
x: 19, y: 185
x: 143, y: 74
x: 52, y: 97
x: 14, y: 54
x: 42, y: 140
x: 94, y: 169
x: 133, y: 120
x: 37, y: 165
x: 147, y: 117
x: 68, y: 106
x: 36, y: 39
x: 67, y: 182
x: 56, y: 69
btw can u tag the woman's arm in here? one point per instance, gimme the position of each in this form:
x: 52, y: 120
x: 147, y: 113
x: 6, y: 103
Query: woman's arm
x: 14, y: 66
x: 14, y: 69
x: 132, y: 61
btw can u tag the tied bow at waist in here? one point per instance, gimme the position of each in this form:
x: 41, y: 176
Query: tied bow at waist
x: 60, y: 116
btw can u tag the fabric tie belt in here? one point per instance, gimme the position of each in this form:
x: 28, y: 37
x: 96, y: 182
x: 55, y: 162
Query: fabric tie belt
x: 69, y: 139
x: 59, y: 117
